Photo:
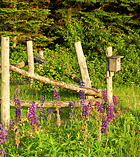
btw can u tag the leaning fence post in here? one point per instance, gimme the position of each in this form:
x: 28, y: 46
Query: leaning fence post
x: 30, y: 60
x: 5, y: 83
x: 109, y: 75
x: 82, y: 64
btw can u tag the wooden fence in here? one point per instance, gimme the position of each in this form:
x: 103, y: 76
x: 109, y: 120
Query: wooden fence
x: 91, y: 92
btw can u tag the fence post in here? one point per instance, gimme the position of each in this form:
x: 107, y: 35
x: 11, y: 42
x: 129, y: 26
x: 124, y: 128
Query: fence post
x: 30, y: 60
x: 5, y: 83
x: 82, y: 63
x: 109, y: 76
x: 41, y: 56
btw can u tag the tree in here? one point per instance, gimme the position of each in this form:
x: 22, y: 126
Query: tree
x: 26, y: 20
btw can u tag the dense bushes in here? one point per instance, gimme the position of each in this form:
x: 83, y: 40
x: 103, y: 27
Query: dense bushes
x: 57, y: 26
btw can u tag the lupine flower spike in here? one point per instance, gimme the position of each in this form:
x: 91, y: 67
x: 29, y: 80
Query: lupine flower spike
x: 17, y: 104
x: 85, y: 111
x: 110, y: 113
x: 31, y: 114
x: 58, y: 106
x: 116, y: 103
x: 90, y: 108
x: 104, y: 94
x: 104, y: 124
x: 41, y: 109
x: 2, y: 140
x: 12, y: 122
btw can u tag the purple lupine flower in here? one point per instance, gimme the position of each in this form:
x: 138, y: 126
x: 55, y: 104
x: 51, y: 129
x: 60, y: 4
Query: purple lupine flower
x: 55, y: 94
x: 82, y: 92
x: 90, y: 107
x: 115, y: 100
x: 17, y: 104
x: 85, y: 112
x: 104, y: 94
x: 104, y: 124
x: 110, y: 113
x: 82, y: 84
x: 59, y: 106
x: 18, y: 113
x: 31, y: 114
x: 97, y: 104
x: 42, y: 100
x: 49, y: 111
x: 71, y: 105
x: 41, y: 111
x: 100, y: 108
x: 2, y: 152
x: 89, y: 145
x: 83, y: 103
x: 2, y: 135
x: 12, y: 122
x: 16, y: 97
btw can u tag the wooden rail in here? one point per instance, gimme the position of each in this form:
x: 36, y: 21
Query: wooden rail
x: 47, y: 104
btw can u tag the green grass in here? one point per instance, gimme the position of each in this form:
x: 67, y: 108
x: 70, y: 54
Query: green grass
x: 121, y: 140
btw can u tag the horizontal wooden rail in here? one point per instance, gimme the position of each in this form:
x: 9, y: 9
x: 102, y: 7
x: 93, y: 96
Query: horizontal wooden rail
x: 47, y: 104
x: 61, y: 84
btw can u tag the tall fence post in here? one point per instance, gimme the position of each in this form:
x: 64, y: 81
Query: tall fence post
x: 109, y: 75
x: 82, y: 64
x: 30, y: 60
x: 41, y: 56
x: 5, y: 83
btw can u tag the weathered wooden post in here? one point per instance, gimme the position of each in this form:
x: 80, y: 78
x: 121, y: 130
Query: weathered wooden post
x: 82, y: 64
x: 113, y: 64
x: 41, y: 56
x: 109, y: 75
x: 5, y: 83
x: 30, y: 60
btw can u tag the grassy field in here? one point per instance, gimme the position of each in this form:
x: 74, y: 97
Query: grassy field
x: 121, y: 140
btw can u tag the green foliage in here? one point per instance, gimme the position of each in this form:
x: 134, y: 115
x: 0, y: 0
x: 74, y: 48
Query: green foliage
x: 59, y: 62
x: 26, y: 21
x: 97, y: 24
x: 99, y: 29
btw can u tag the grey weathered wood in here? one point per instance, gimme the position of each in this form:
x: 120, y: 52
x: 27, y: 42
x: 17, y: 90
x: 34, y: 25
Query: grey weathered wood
x: 30, y: 60
x: 5, y: 85
x: 19, y: 82
x: 74, y: 77
x: 82, y: 64
x: 77, y: 103
x: 88, y: 91
x: 109, y: 76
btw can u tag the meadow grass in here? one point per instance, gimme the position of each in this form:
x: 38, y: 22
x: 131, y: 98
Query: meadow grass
x: 122, y: 138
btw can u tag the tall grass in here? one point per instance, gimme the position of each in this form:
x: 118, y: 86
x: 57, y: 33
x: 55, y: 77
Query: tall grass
x: 122, y: 137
